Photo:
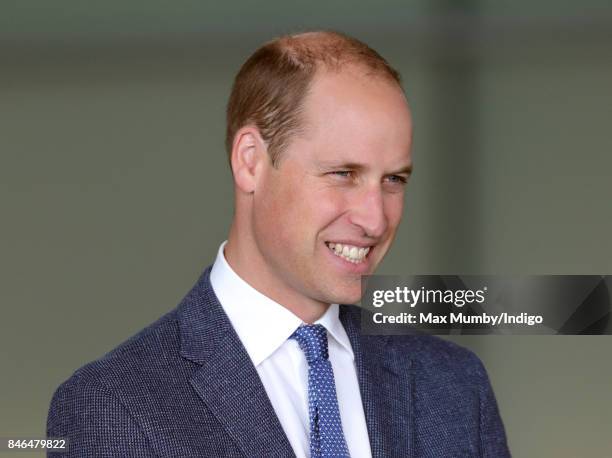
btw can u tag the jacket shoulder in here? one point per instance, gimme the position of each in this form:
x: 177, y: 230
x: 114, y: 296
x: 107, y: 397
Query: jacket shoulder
x: 144, y: 352
x: 433, y: 355
x: 133, y: 371
x: 449, y: 389
x: 97, y: 406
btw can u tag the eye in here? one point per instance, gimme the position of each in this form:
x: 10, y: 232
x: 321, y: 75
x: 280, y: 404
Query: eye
x: 399, y: 179
x: 342, y: 173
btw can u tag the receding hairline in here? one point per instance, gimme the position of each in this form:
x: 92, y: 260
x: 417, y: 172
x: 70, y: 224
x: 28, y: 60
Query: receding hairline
x: 355, y: 71
x: 327, y: 50
x: 270, y: 89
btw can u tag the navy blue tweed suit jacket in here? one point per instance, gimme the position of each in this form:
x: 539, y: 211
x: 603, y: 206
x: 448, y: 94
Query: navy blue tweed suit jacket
x: 185, y: 387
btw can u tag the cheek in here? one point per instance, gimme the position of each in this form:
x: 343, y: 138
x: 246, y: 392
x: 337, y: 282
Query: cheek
x: 282, y: 212
x: 326, y: 206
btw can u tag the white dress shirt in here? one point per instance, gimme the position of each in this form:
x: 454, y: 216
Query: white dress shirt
x: 264, y: 327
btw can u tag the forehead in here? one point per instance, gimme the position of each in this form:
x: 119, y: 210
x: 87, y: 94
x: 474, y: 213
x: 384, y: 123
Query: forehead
x: 351, y: 114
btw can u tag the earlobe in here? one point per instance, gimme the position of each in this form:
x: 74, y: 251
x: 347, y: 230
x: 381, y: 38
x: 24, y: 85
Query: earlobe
x: 247, y: 152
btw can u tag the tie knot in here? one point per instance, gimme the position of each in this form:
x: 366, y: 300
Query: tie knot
x: 312, y: 339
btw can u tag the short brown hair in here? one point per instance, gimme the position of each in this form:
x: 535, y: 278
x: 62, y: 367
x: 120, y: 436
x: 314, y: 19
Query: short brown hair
x: 270, y: 88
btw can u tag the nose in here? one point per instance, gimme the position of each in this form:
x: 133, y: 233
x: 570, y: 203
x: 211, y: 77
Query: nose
x: 368, y: 211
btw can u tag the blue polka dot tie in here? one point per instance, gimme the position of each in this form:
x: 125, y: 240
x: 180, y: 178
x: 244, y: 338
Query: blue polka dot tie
x: 326, y: 436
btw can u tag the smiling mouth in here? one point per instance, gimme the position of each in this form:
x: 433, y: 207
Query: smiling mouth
x: 350, y: 253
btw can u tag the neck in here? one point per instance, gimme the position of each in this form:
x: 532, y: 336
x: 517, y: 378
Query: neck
x: 244, y: 259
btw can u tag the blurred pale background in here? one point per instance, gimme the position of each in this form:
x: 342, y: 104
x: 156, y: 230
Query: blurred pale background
x: 115, y: 191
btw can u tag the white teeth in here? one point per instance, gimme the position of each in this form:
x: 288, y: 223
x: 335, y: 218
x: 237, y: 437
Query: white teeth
x: 351, y: 253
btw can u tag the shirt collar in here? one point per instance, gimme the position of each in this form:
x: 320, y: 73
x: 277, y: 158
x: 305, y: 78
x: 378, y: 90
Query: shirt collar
x: 262, y: 324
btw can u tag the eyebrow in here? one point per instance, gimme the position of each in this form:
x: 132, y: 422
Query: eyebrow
x: 328, y: 165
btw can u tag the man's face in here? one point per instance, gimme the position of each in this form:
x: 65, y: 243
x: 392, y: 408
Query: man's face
x: 328, y: 213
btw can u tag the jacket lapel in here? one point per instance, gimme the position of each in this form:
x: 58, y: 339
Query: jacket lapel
x: 227, y: 381
x: 386, y: 387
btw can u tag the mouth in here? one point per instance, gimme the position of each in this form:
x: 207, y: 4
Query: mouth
x: 350, y: 253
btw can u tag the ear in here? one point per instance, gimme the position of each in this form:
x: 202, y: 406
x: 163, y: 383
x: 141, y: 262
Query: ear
x: 249, y: 152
